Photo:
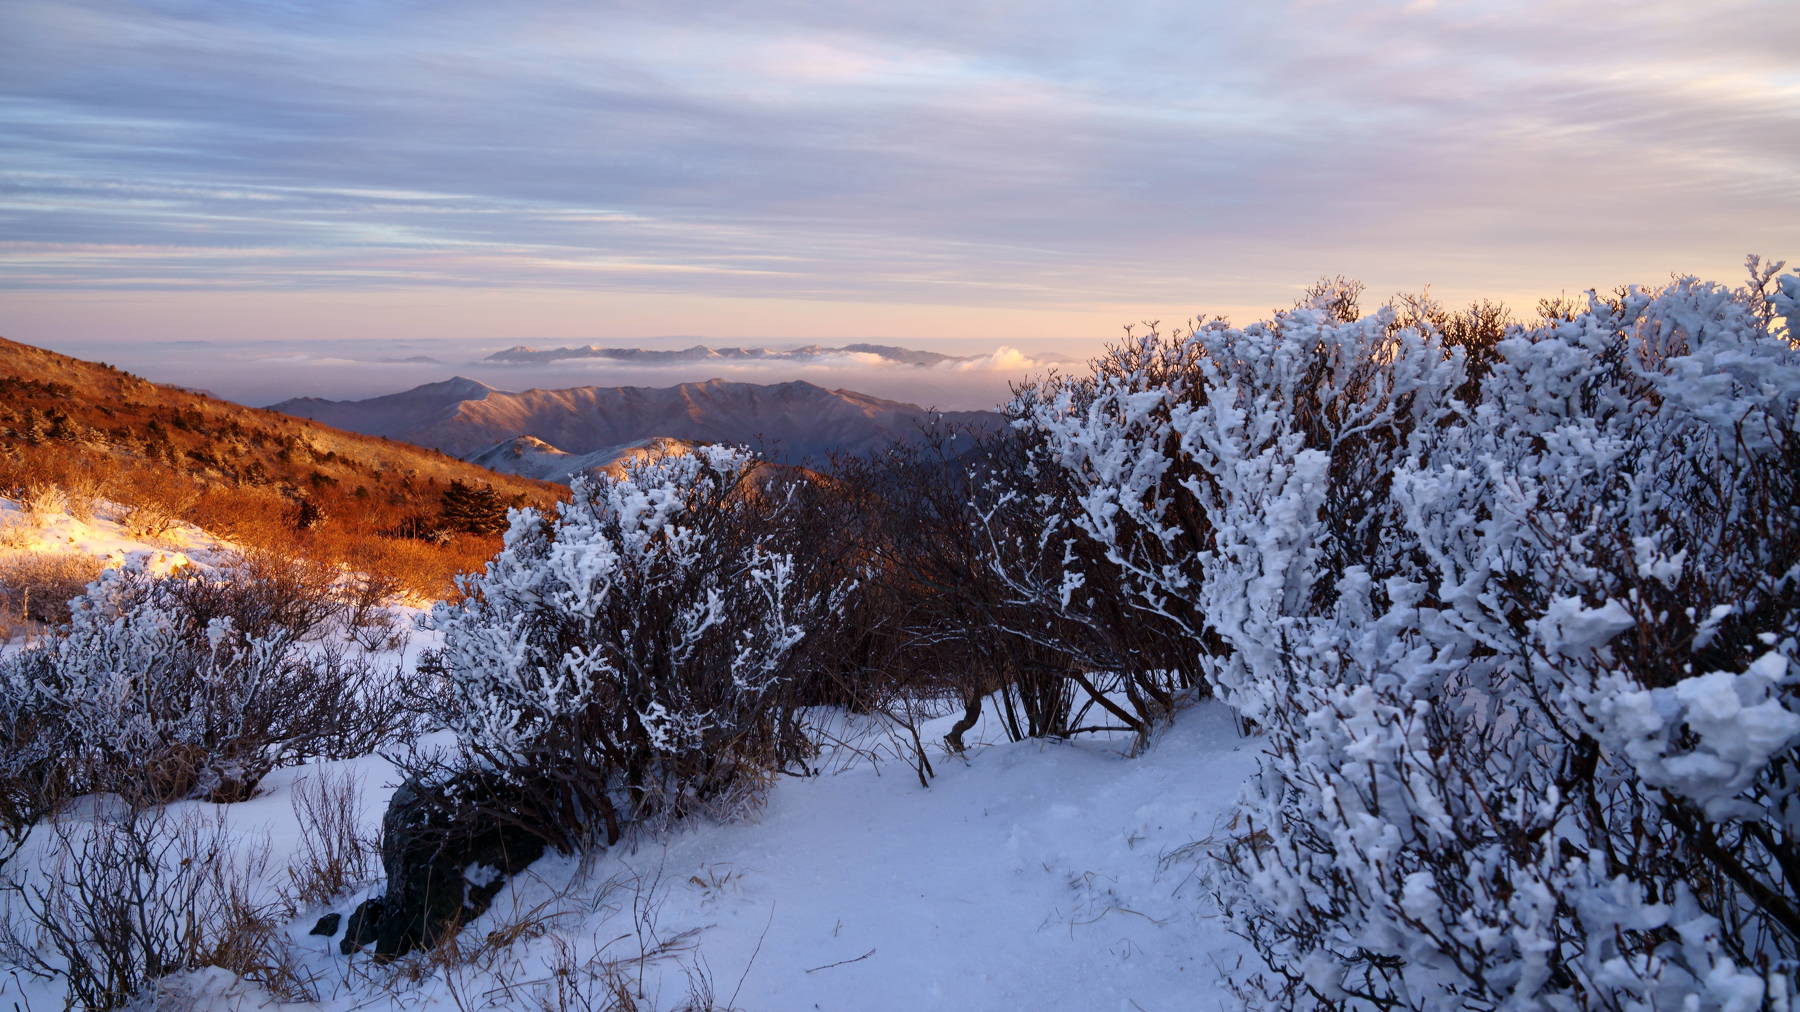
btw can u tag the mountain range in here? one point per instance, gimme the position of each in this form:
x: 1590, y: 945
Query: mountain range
x: 523, y: 354
x: 583, y: 428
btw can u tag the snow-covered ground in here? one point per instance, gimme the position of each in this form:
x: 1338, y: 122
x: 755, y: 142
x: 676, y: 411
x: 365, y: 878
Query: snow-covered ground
x: 1041, y: 875
x: 1032, y: 875
x: 102, y: 533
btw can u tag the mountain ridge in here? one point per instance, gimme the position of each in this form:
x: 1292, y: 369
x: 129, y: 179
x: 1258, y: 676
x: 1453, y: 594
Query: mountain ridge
x: 790, y: 422
x: 531, y: 457
x: 523, y: 354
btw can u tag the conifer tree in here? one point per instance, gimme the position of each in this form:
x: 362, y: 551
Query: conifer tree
x: 477, y: 510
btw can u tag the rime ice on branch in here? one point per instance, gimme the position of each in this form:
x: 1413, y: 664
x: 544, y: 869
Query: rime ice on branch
x: 1520, y: 619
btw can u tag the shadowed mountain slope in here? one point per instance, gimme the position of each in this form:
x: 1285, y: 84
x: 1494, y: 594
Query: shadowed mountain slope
x: 790, y: 422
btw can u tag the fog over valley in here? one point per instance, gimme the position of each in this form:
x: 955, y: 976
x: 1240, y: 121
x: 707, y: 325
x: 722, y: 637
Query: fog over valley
x: 967, y: 377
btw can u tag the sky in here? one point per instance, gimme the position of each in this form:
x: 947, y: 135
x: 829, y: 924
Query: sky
x: 248, y: 195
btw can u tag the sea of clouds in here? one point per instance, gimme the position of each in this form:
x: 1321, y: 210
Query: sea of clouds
x: 260, y: 372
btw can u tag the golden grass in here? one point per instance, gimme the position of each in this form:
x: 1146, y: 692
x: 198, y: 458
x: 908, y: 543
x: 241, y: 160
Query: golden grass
x: 73, y: 433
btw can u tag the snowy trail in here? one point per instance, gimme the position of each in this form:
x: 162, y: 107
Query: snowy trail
x: 1035, y: 875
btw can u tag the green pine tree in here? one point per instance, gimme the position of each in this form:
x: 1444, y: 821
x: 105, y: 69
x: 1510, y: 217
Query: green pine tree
x: 475, y: 509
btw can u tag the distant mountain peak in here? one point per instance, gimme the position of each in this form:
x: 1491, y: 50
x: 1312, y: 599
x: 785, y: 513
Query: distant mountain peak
x: 531, y: 457
x: 455, y: 385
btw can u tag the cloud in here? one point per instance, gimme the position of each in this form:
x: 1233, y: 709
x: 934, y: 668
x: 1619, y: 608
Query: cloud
x: 263, y: 372
x: 1005, y: 360
x: 1010, y: 154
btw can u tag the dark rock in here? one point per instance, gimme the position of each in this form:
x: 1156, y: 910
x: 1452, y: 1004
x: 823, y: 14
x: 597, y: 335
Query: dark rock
x: 361, y: 929
x: 327, y: 925
x: 446, y: 856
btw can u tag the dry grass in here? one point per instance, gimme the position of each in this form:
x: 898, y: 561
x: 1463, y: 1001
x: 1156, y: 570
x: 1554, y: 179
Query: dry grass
x: 73, y: 433
x: 44, y: 501
x: 36, y: 587
x: 17, y: 534
x: 335, y: 855
x: 138, y: 894
x: 485, y: 972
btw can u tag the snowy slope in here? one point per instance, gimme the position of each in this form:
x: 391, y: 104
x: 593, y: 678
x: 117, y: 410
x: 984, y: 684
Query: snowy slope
x: 1037, y: 875
x: 1033, y: 875
x: 103, y: 535
x: 48, y: 552
x: 531, y: 457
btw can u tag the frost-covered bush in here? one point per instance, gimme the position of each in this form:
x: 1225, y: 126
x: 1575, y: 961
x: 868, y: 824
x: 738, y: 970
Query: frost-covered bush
x: 634, y: 654
x: 1087, y: 526
x: 191, y: 685
x: 1183, y: 488
x: 1522, y: 638
x: 1541, y: 751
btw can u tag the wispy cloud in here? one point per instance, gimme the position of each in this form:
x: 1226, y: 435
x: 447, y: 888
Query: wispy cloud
x: 1006, y: 155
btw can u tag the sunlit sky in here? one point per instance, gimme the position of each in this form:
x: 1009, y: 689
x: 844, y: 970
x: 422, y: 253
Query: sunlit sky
x: 950, y: 176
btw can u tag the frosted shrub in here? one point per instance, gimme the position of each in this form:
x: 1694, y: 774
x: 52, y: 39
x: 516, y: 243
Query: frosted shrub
x: 1304, y: 422
x: 1189, y: 494
x: 930, y: 618
x: 184, y: 686
x: 1535, y: 743
x: 1089, y: 528
x: 1521, y: 635
x: 634, y: 654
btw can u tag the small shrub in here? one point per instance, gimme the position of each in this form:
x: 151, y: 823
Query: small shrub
x: 336, y: 855
x: 634, y: 655
x: 46, y: 501
x: 17, y: 533
x: 135, y: 895
x: 150, y: 520
x: 37, y: 586
x: 194, y: 685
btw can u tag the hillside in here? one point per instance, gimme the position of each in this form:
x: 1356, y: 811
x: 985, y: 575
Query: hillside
x: 249, y: 474
x: 791, y: 422
x: 533, y: 458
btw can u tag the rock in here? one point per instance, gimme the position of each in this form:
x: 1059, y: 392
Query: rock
x: 361, y: 929
x: 327, y: 925
x: 446, y: 856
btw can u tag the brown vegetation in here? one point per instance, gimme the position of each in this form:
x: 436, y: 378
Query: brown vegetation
x: 257, y: 477
x: 35, y: 588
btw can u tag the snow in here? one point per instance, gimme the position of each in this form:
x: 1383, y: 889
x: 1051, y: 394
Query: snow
x: 1044, y: 875
x: 103, y: 535
x: 1035, y: 875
